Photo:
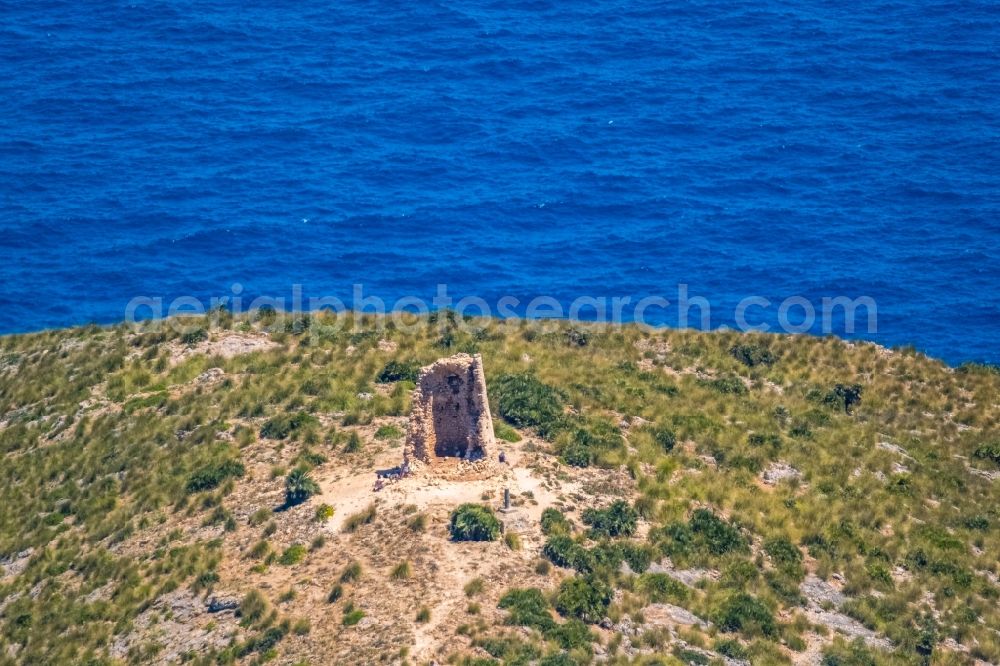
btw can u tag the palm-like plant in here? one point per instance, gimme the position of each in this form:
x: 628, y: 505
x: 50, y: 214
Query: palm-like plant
x: 299, y: 487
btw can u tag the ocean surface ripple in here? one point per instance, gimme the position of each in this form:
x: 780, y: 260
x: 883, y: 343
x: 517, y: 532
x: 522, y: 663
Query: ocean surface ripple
x: 518, y: 148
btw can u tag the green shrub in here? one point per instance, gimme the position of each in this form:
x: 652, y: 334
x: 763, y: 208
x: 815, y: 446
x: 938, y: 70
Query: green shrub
x: 554, y: 522
x: 506, y: 433
x: 618, y: 519
x: 212, y: 476
x: 732, y: 648
x: 607, y: 555
x: 665, y: 438
x: 661, y: 588
x: 526, y: 402
x: 638, y: 555
x: 299, y: 487
x: 977, y: 522
x: 584, y: 597
x: 423, y: 615
x: 388, y: 432
x: 401, y: 571
x: 352, y: 616
x: 844, y: 395
x: 576, y: 454
x: 324, y: 512
x: 674, y: 539
x: 253, y: 607
x: 746, y: 614
x: 854, y: 654
x: 191, y: 338
x: 752, y: 354
x: 590, y: 441
x: 759, y: 439
x: 570, y: 635
x: 293, y: 554
x: 718, y: 536
x: 397, y: 371
x: 562, y: 551
x: 783, y: 552
x: 474, y: 522
x: 558, y: 659
x: 527, y: 607
x: 989, y: 451
x: 353, y: 444
x: 281, y: 427
x: 727, y: 385
x: 510, y: 649
x: 336, y: 592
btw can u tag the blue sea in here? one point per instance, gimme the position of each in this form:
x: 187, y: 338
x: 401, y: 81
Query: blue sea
x: 595, y: 148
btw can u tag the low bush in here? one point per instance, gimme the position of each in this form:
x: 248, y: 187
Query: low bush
x: 527, y: 607
x: 474, y: 522
x: 638, y: 555
x: 253, y: 607
x: 989, y: 451
x: 283, y: 426
x: 388, y: 432
x: 554, y: 522
x: 324, y: 512
x: 752, y: 354
x: 661, y: 588
x: 212, y: 476
x: 506, y: 433
x: 618, y: 519
x: 299, y: 487
x: 584, y: 597
x: 727, y: 385
x: 717, y: 536
x: 747, y: 615
x: 526, y: 402
x: 293, y: 554
x: 397, y: 371
x: 664, y: 438
x: 783, y: 552
x: 352, y: 615
x: 855, y: 653
x: 570, y: 635
x: 844, y: 396
x: 191, y: 338
x: 589, y: 441
x: 561, y: 550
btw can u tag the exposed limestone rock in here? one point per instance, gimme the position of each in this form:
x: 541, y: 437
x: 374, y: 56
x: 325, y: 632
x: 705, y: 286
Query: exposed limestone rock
x: 779, y: 471
x: 450, y: 429
x: 668, y: 614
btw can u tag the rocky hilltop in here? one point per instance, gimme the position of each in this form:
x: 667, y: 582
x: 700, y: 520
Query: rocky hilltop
x: 296, y: 490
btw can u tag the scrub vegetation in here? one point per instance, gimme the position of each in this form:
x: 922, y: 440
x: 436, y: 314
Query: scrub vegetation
x: 763, y: 460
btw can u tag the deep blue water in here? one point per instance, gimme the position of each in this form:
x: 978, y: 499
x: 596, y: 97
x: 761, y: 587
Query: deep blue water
x: 515, y: 148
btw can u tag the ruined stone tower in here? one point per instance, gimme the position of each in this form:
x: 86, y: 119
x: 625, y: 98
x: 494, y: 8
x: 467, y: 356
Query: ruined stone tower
x: 450, y: 423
